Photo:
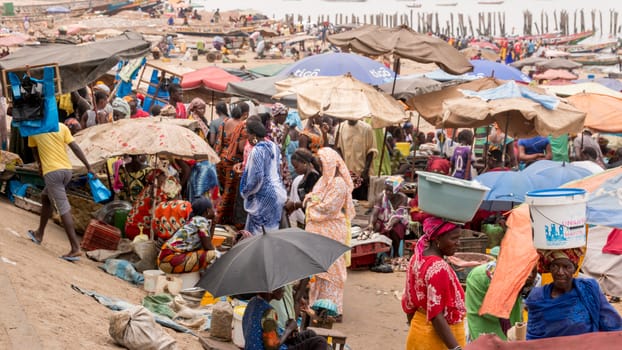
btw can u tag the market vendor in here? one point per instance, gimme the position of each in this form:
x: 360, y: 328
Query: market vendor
x: 390, y: 213
x: 190, y: 249
x: 261, y: 329
x: 129, y: 177
x: 569, y: 305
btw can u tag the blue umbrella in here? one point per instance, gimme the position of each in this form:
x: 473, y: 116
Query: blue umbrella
x: 57, y: 9
x: 485, y: 68
x: 336, y: 64
x: 507, y: 189
x: 549, y: 174
x: 604, y: 206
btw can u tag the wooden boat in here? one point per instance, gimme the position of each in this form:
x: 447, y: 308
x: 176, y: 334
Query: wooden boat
x: 447, y: 4
x: 592, y: 47
x: 551, y: 38
x: 490, y: 2
x: 597, y: 60
x: 414, y: 5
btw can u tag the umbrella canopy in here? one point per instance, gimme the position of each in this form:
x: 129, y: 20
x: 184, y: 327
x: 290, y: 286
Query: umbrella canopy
x: 261, y: 89
x: 530, y: 61
x: 558, y: 63
x: 142, y: 136
x: 485, y: 68
x: 430, y: 105
x: 269, y: 261
x: 604, y: 206
x: 343, y: 98
x: 13, y: 39
x: 573, y: 89
x: 80, y: 64
x: 403, y: 42
x: 550, y: 174
x: 611, y: 83
x: 520, y: 110
x: 507, y: 189
x: 269, y: 70
x: 603, y: 113
x: 57, y: 9
x: 211, y: 78
x: 409, y: 87
x: 553, y: 74
x: 336, y: 64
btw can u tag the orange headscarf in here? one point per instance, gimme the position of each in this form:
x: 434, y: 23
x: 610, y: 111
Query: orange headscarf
x: 333, y: 165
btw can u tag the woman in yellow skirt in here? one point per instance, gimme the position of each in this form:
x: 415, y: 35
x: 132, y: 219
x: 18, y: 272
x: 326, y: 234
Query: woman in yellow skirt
x: 434, y: 299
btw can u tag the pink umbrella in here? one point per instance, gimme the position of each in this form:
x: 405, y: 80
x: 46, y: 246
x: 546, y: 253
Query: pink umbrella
x: 212, y: 78
x: 484, y: 45
x: 553, y: 74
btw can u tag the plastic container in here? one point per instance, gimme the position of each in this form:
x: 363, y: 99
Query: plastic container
x: 189, y: 279
x: 237, y: 335
x: 558, y: 217
x: 450, y: 198
x: 151, y: 279
x: 403, y: 147
x: 100, y: 235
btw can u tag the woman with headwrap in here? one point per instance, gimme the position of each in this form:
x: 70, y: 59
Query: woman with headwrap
x: 196, y: 111
x: 329, y: 209
x: 308, y: 167
x: 568, y: 306
x: 230, y: 144
x: 120, y: 109
x: 390, y: 213
x: 261, y: 186
x: 190, y: 249
x: 434, y: 299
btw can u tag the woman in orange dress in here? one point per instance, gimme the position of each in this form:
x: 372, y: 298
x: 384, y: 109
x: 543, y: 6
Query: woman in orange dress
x: 230, y: 147
x: 329, y: 209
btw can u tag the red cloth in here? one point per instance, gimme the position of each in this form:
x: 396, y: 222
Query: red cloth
x: 432, y: 286
x: 614, y: 242
x: 438, y: 165
x: 180, y: 110
x: 139, y: 114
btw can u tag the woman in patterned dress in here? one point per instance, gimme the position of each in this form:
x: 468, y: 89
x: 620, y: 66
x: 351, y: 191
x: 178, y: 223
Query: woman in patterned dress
x: 434, y: 299
x: 329, y: 209
x: 190, y: 249
x: 261, y: 186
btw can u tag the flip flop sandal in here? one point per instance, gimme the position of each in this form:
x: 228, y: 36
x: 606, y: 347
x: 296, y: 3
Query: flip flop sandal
x: 31, y: 236
x: 70, y: 258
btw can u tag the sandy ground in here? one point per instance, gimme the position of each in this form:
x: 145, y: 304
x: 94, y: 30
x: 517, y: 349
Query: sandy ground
x: 45, y: 313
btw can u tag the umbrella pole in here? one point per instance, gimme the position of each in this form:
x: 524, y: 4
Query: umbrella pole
x: 384, y: 143
x: 415, y: 145
x: 505, y: 139
x: 155, y: 200
x: 396, y: 67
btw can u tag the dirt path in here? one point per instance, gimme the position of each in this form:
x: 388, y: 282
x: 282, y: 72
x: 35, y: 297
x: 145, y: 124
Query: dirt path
x: 45, y: 308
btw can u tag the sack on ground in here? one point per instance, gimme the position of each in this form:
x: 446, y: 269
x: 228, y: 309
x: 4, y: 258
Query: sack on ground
x: 136, y: 329
x: 147, y: 252
x: 222, y: 317
x: 124, y: 270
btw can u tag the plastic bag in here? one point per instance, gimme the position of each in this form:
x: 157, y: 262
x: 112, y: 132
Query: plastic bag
x: 147, y: 252
x: 99, y: 191
x: 136, y: 329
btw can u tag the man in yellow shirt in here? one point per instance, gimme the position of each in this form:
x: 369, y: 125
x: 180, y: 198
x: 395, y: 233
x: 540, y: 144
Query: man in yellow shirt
x: 51, y: 155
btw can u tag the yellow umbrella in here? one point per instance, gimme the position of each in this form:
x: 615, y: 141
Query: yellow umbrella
x: 342, y: 97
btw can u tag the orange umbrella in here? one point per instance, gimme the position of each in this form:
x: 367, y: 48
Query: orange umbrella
x: 518, y: 255
x: 603, y: 112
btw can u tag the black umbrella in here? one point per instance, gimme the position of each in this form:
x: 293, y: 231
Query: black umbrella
x: 269, y: 261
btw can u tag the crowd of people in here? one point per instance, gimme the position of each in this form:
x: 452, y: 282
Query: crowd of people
x: 277, y: 171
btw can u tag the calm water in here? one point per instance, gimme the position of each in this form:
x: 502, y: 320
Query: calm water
x: 512, y: 8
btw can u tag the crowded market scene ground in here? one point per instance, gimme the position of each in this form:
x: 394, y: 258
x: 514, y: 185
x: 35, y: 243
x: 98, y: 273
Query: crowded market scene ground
x: 177, y: 175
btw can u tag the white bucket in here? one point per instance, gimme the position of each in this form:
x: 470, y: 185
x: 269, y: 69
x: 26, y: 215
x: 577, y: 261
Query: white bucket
x: 151, y: 279
x: 189, y: 279
x: 237, y: 335
x: 558, y: 217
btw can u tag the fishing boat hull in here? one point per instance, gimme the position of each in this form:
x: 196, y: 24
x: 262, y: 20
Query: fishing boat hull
x: 552, y: 38
x: 595, y: 60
